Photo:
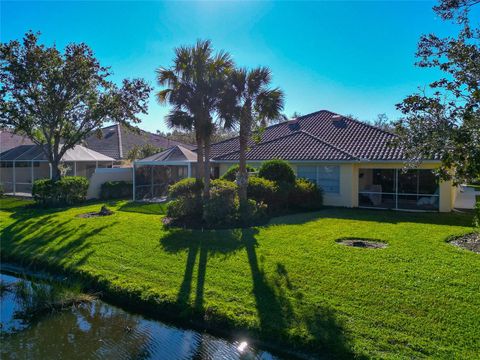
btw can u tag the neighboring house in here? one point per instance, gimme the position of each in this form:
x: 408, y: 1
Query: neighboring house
x: 22, y: 165
x: 9, y: 140
x: 354, y: 163
x: 116, y: 141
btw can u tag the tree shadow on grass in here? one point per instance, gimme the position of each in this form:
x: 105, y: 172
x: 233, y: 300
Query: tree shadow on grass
x: 48, y: 241
x: 144, y: 208
x: 283, y: 315
x: 375, y: 215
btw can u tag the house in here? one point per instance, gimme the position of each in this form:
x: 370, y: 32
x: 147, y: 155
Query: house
x: 9, y: 140
x: 116, y: 141
x: 22, y: 165
x: 354, y: 163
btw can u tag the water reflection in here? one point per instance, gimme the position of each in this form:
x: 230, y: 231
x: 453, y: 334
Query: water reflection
x: 101, y: 331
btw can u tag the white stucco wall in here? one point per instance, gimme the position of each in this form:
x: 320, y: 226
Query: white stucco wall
x: 348, y: 195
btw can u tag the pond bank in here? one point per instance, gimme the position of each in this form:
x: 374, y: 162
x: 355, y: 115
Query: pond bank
x: 217, y: 341
x: 100, y: 330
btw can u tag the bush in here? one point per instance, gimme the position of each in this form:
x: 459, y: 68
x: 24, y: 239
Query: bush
x: 42, y: 191
x: 1, y: 190
x: 231, y: 173
x: 253, y: 213
x: 221, y: 209
x: 116, y: 190
x: 187, y: 200
x: 68, y: 190
x: 277, y: 170
x: 305, y: 195
x: 189, y: 187
x: 261, y: 190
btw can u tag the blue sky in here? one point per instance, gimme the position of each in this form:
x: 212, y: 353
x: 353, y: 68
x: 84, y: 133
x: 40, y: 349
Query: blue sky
x: 349, y: 57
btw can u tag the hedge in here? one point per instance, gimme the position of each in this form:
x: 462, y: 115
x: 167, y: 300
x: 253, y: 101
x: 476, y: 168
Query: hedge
x: 66, y: 191
x: 116, y: 190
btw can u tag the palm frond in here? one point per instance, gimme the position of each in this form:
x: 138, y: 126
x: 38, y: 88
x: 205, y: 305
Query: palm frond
x: 163, y: 96
x: 269, y: 103
x: 179, y: 119
x: 258, y: 79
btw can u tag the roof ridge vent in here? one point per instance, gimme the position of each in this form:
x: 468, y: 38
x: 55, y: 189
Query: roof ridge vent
x: 293, y: 124
x: 339, y: 121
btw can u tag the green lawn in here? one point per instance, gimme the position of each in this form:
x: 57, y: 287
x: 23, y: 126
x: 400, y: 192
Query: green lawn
x: 289, y: 282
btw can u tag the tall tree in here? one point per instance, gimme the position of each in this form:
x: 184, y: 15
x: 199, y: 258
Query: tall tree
x: 57, y: 99
x: 250, y: 102
x: 444, y: 120
x: 194, y: 84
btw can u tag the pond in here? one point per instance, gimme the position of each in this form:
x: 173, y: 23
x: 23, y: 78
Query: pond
x: 98, y: 330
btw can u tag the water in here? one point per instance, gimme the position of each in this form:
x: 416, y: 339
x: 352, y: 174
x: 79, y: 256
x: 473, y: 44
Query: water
x: 99, y: 330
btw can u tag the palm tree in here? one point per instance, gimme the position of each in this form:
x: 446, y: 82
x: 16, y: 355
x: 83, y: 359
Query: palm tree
x: 194, y: 84
x: 248, y: 101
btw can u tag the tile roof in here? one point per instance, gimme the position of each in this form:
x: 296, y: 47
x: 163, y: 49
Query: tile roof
x: 175, y: 153
x: 116, y: 141
x: 9, y: 140
x: 322, y: 135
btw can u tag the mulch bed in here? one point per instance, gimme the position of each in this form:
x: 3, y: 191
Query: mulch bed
x: 469, y: 242
x: 363, y: 243
x: 104, y: 211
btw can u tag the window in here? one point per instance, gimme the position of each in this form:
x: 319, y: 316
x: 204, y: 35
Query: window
x: 415, y: 189
x: 307, y: 172
x: 326, y: 177
x: 329, y: 179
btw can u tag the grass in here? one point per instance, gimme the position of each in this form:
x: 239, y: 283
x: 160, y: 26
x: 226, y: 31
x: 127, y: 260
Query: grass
x: 288, y: 283
x: 47, y: 296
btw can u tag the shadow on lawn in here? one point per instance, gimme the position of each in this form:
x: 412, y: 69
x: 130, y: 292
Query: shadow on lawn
x: 283, y: 316
x: 373, y: 215
x: 54, y: 242
x: 144, y: 208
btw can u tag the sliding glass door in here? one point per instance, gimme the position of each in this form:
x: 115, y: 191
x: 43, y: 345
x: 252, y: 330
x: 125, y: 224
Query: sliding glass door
x: 415, y: 189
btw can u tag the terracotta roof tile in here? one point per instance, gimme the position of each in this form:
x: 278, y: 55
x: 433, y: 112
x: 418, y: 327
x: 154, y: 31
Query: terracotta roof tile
x: 322, y: 135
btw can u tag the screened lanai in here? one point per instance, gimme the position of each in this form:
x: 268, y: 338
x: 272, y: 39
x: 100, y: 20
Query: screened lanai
x: 24, y: 164
x: 154, y: 174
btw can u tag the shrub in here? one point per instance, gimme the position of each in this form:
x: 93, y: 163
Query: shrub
x: 72, y: 189
x: 253, y: 213
x: 116, y: 190
x: 231, y: 173
x: 261, y: 190
x: 278, y: 171
x: 189, y: 187
x: 42, y: 191
x: 187, y: 200
x: 1, y: 190
x: 305, y: 195
x: 68, y: 190
x: 221, y: 209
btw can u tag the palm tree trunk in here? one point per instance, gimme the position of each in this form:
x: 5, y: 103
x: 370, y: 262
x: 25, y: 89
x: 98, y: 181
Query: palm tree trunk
x: 200, y: 155
x: 242, y: 176
x: 206, y: 174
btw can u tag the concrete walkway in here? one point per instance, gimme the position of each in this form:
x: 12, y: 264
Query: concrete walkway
x: 466, y: 198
